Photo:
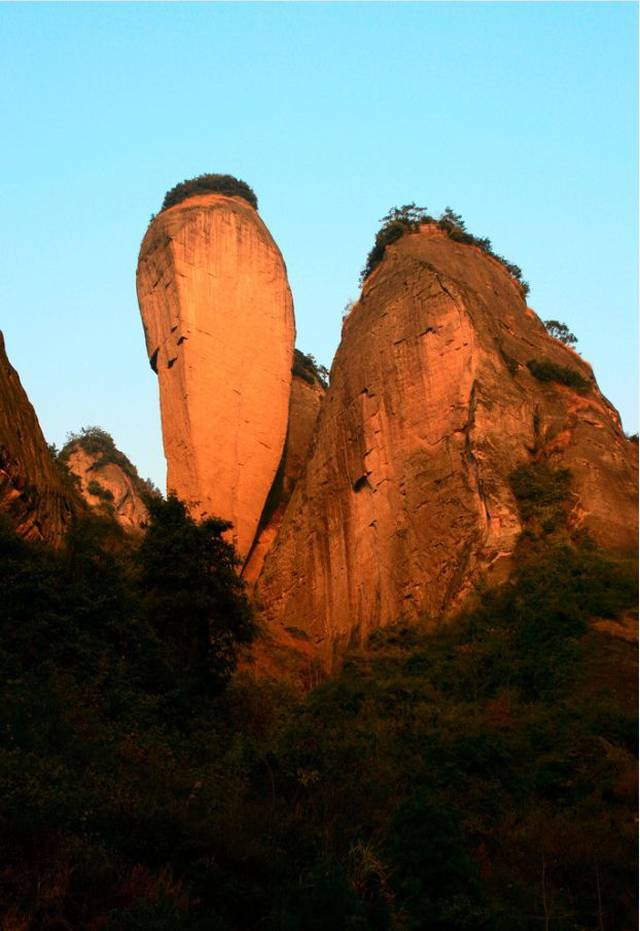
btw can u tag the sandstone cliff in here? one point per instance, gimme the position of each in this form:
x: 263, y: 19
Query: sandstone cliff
x: 304, y: 406
x: 219, y: 328
x: 406, y: 497
x: 108, y: 481
x: 32, y: 491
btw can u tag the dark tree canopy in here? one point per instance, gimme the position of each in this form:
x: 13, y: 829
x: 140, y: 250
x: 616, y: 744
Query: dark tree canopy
x: 194, y: 596
x: 210, y: 184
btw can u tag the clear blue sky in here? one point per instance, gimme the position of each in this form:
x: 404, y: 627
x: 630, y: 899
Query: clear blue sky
x: 522, y: 117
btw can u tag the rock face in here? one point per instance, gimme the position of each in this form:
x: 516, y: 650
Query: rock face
x: 219, y: 327
x: 32, y: 491
x: 304, y: 406
x: 109, y: 484
x: 406, y: 495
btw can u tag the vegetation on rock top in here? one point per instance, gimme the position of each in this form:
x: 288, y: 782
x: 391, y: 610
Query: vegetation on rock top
x: 97, y: 442
x: 209, y: 184
x: 409, y: 218
x: 309, y: 369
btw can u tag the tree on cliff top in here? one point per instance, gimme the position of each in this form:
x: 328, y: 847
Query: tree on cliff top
x: 210, y: 184
x: 560, y: 331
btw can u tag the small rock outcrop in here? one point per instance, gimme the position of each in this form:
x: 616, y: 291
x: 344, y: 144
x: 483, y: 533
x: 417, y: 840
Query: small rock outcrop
x: 443, y: 385
x: 107, y: 480
x: 33, y: 492
x: 219, y: 328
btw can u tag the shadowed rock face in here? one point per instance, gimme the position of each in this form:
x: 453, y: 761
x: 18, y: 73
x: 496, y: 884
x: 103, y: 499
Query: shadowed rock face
x: 128, y: 507
x: 406, y: 495
x: 219, y: 327
x: 304, y: 407
x: 32, y: 492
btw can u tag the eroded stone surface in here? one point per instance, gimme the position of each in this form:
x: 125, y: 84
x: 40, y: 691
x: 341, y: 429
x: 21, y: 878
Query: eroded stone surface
x: 406, y: 497
x: 219, y: 328
x: 126, y: 502
x: 32, y: 492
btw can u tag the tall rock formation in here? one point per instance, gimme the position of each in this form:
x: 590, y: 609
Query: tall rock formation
x: 32, y: 490
x: 219, y: 327
x: 107, y: 479
x: 406, y: 497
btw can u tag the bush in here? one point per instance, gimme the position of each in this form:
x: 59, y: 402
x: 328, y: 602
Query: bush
x: 541, y: 492
x: 210, y: 184
x: 95, y: 488
x: 545, y: 370
x: 308, y: 369
x: 409, y: 218
x: 397, y: 222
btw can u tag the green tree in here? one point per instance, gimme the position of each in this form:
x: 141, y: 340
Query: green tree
x: 193, y: 593
x: 560, y: 331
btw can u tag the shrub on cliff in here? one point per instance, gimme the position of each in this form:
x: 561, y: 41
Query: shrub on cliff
x: 409, y: 218
x: 541, y: 492
x: 546, y: 370
x: 95, y: 488
x: 209, y: 184
x: 309, y: 369
x: 397, y: 222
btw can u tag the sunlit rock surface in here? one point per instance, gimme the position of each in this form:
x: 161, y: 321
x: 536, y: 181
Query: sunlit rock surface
x: 219, y: 328
x: 406, y: 499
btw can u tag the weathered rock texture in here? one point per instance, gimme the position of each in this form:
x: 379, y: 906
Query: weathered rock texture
x: 120, y: 488
x: 32, y: 491
x: 219, y: 327
x: 304, y: 407
x: 406, y: 496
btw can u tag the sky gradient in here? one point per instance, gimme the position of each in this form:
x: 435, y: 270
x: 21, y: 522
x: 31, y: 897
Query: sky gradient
x: 521, y: 116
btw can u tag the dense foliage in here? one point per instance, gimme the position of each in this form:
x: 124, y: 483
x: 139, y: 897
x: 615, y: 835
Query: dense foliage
x: 95, y: 488
x: 209, y: 184
x: 546, y: 370
x: 309, y: 369
x: 541, y: 492
x: 409, y: 218
x: 479, y: 775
